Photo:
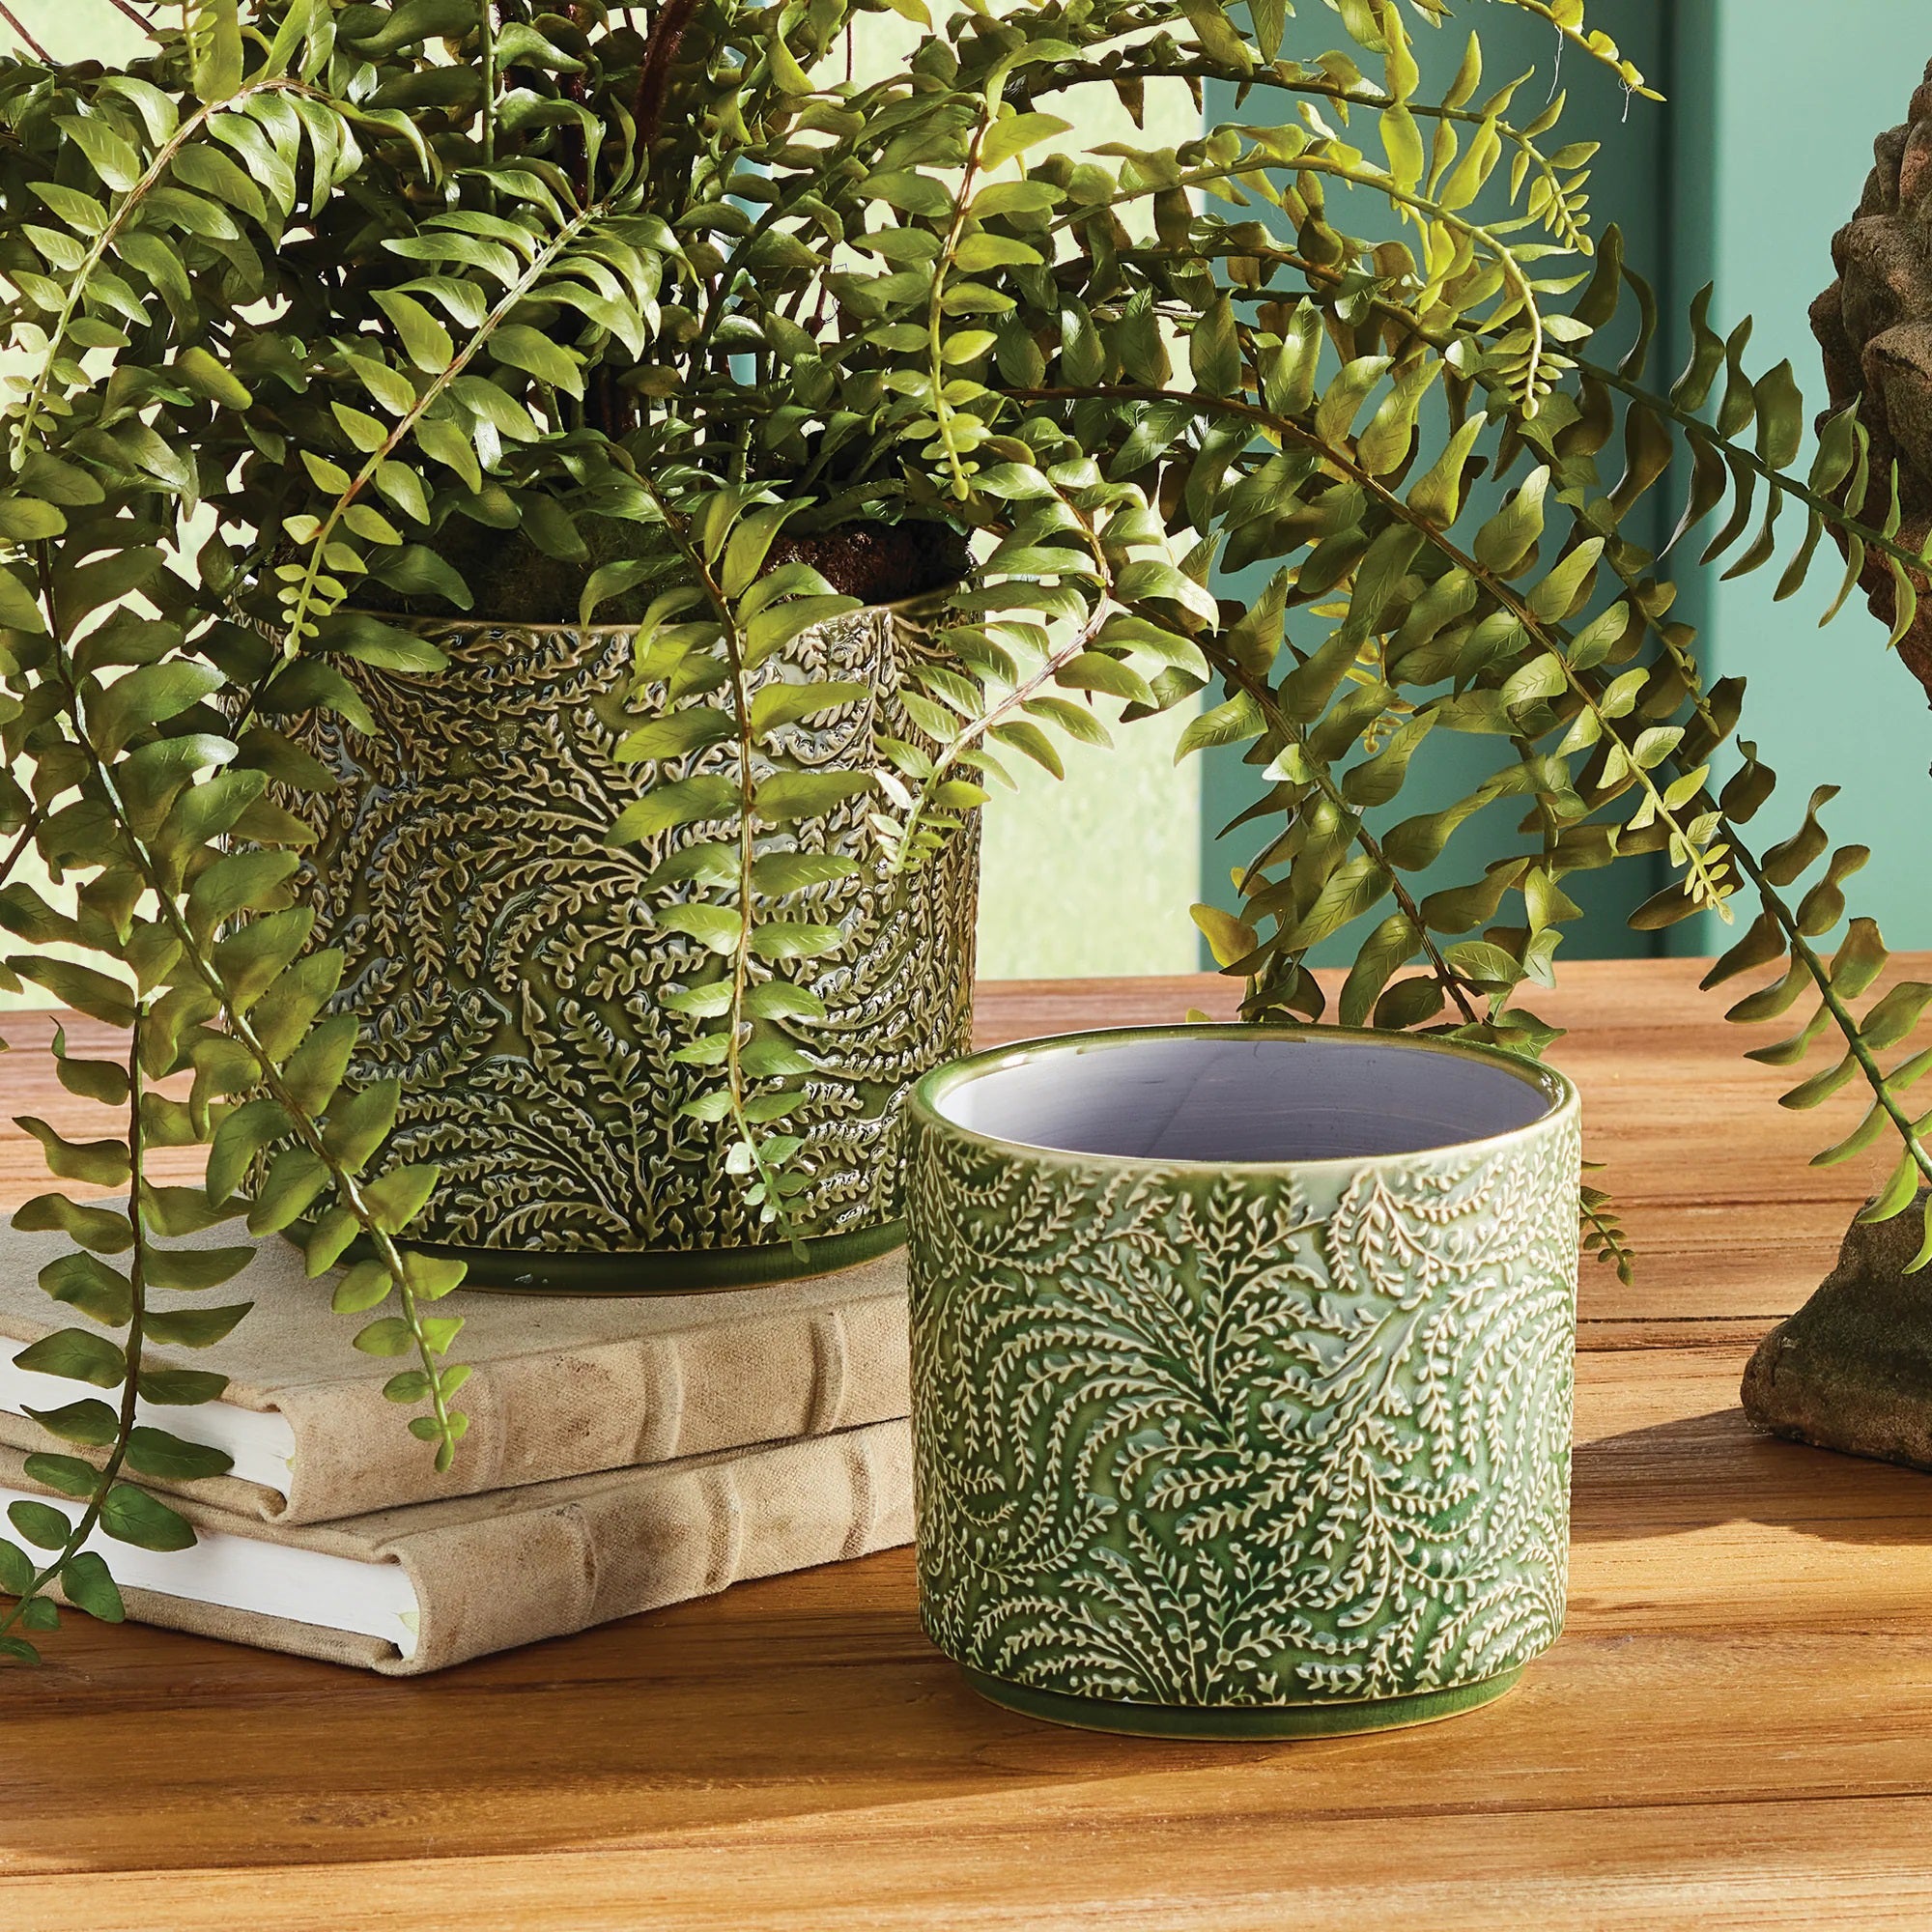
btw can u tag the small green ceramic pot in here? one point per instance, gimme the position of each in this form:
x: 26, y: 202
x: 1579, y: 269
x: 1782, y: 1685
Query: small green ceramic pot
x: 1241, y: 1375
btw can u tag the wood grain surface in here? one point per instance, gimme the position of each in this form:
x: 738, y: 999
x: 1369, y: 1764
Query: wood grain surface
x: 1734, y: 1731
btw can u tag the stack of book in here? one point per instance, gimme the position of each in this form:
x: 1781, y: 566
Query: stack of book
x: 622, y: 1455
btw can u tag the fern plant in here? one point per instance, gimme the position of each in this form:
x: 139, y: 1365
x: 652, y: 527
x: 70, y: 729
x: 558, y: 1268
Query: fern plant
x: 326, y: 316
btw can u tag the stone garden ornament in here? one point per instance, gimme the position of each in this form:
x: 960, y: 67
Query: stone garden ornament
x: 1852, y: 1370
x: 474, y: 485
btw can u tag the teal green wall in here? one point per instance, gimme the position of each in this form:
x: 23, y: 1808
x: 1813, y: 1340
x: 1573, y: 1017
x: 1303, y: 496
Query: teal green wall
x: 1779, y: 102
x: 1757, y: 155
x: 1631, y: 184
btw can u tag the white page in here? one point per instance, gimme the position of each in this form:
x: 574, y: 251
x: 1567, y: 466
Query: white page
x: 306, y: 1586
x: 261, y: 1441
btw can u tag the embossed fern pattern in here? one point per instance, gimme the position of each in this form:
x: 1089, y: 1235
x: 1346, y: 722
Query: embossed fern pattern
x: 1189, y: 1440
x: 512, y: 974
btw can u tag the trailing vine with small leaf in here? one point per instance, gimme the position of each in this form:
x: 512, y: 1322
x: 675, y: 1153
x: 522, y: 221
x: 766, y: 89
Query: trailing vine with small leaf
x: 335, y: 318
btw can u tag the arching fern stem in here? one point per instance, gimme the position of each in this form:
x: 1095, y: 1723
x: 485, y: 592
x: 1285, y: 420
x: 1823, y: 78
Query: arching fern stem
x: 131, y: 1349
x: 35, y: 401
x: 1379, y: 181
x: 1261, y: 694
x: 405, y: 427
x: 1701, y: 876
x: 1707, y: 881
x: 448, y: 1427
x: 1036, y: 684
x: 1195, y: 72
x: 737, y: 1020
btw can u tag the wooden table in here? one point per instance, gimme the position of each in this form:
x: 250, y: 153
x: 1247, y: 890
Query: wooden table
x: 1735, y: 1730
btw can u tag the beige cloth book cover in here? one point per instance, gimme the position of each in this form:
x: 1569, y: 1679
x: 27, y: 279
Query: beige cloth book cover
x: 563, y: 1385
x: 455, y: 1580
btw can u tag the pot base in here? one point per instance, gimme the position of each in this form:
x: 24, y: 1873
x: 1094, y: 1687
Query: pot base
x: 649, y: 1272
x: 1240, y: 1721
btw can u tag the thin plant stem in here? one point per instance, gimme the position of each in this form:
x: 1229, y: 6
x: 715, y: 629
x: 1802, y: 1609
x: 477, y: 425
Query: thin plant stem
x: 318, y: 542
x: 18, y: 850
x: 736, y: 1018
x: 488, y: 9
x: 350, y: 1190
x: 36, y: 400
x: 1704, y: 879
x: 141, y: 20
x: 1264, y: 698
x: 33, y: 45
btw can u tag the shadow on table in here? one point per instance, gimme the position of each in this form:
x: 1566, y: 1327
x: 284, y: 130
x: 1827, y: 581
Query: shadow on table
x: 1699, y: 1472
x: 800, y: 1697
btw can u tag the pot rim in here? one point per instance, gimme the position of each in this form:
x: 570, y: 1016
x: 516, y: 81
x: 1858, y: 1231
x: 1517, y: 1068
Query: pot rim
x: 924, y: 1103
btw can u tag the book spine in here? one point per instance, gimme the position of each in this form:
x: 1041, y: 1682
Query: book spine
x: 654, y: 1538
x: 540, y: 1417
x: 594, y: 1549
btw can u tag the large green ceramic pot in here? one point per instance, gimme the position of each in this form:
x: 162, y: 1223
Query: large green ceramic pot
x: 1241, y: 1375
x: 505, y: 964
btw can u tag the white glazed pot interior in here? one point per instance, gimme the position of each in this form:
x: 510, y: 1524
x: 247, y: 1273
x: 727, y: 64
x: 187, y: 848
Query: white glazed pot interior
x: 1240, y: 1095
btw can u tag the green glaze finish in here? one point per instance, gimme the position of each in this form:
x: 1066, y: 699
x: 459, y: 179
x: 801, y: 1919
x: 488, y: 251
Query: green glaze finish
x: 1241, y: 1721
x: 507, y: 971
x: 1241, y: 1449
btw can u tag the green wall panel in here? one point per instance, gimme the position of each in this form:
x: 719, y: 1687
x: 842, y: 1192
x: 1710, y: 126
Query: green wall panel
x: 1630, y: 185
x: 1779, y: 102
x: 1757, y: 155
x: 1093, y: 875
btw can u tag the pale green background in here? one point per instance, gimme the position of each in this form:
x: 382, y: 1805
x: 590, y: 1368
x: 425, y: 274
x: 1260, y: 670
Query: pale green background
x: 1094, y: 874
x: 1743, y: 178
